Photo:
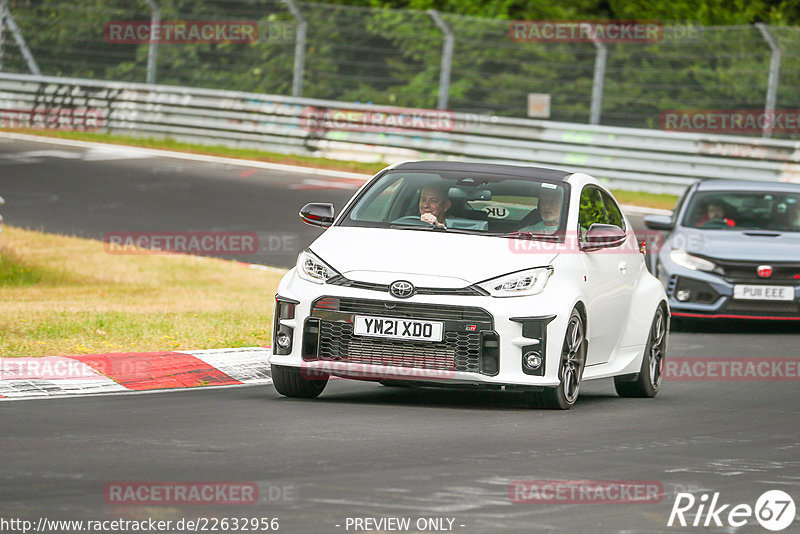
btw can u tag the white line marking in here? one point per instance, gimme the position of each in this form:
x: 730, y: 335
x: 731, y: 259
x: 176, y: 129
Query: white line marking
x: 158, y: 153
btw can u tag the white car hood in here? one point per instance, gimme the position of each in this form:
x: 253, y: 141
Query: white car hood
x: 424, y: 257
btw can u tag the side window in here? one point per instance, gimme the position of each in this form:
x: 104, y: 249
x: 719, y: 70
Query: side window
x: 612, y: 209
x: 591, y: 210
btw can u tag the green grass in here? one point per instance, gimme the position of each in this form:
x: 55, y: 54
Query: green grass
x: 64, y: 295
x: 647, y: 200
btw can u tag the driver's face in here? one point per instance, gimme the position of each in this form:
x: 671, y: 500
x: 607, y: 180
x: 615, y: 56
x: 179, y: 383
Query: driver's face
x: 432, y: 200
x: 715, y: 211
x: 550, y: 206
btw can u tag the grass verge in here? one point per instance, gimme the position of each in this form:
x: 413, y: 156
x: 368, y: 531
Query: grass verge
x: 649, y: 200
x: 65, y: 295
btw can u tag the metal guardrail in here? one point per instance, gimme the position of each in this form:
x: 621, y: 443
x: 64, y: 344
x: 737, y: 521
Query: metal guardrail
x: 635, y: 159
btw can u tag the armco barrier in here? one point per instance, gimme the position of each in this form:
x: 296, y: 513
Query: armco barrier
x: 637, y: 159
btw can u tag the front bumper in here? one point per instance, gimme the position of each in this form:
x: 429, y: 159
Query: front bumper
x: 484, y: 338
x: 711, y: 295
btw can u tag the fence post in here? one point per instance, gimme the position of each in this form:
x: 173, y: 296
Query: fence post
x: 152, y: 51
x: 774, y: 73
x: 447, y: 58
x: 23, y: 46
x: 598, y: 80
x: 299, y: 48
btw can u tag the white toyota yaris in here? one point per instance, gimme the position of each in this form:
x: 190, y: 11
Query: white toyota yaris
x: 481, y: 275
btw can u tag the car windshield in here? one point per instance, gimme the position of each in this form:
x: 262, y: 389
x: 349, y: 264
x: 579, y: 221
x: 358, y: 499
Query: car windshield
x: 462, y: 202
x: 744, y: 210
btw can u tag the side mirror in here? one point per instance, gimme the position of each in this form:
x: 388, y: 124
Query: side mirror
x: 659, y: 222
x: 603, y: 236
x: 317, y: 214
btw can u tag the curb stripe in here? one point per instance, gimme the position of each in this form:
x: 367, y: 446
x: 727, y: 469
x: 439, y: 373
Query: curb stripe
x: 115, y: 373
x: 156, y: 370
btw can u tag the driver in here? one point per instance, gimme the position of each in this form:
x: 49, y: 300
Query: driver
x: 716, y: 210
x: 433, y: 205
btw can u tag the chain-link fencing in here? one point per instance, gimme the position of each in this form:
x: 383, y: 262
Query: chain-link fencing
x: 407, y: 58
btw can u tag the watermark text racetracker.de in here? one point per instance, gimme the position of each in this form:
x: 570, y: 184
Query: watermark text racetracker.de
x: 389, y: 119
x: 63, y: 368
x: 180, y: 31
x: 586, y: 491
x: 149, y: 525
x: 735, y: 369
x: 731, y: 121
x: 238, y: 243
x: 575, y: 242
x: 175, y: 493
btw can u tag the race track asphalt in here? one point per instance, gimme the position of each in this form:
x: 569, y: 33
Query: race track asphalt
x: 363, y: 450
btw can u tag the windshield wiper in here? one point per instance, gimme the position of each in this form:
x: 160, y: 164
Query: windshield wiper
x: 419, y: 227
x: 529, y: 235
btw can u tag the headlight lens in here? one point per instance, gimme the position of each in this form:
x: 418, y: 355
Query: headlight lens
x: 313, y: 269
x: 684, y: 259
x: 519, y: 284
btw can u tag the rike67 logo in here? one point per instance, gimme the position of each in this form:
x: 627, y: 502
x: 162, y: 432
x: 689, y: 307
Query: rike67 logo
x: 774, y: 510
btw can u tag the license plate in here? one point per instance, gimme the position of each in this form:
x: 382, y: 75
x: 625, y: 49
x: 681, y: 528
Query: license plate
x: 390, y: 327
x: 763, y: 292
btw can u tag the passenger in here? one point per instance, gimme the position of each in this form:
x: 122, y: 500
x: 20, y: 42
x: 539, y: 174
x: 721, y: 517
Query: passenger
x: 550, y: 201
x: 794, y: 215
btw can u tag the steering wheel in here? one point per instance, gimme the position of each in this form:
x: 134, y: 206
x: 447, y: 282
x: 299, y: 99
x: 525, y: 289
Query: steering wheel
x: 716, y: 222
x: 411, y: 220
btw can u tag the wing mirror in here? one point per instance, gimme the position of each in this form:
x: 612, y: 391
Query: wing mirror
x: 659, y: 222
x: 317, y: 214
x: 603, y: 236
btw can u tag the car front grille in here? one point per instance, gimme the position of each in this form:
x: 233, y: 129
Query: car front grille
x: 468, y: 291
x: 747, y: 272
x: 461, y: 348
x: 766, y: 308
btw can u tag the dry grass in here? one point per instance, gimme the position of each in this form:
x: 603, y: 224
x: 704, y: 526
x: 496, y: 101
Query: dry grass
x: 65, y: 295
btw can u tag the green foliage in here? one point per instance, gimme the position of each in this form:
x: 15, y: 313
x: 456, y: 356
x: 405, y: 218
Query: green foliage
x: 393, y: 57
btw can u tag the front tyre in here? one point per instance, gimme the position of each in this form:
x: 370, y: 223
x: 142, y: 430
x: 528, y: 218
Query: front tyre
x: 648, y: 381
x: 290, y: 382
x: 570, y: 369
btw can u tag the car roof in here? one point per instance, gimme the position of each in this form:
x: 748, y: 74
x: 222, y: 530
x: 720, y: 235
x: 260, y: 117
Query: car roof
x: 489, y: 168
x: 747, y: 185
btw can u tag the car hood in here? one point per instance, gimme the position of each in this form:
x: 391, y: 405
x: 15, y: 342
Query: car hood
x: 426, y: 258
x: 746, y: 245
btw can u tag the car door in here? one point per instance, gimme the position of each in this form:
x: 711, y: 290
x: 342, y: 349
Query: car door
x: 609, y: 276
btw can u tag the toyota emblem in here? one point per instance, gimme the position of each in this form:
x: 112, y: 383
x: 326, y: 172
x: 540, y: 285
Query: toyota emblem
x: 764, y: 271
x: 401, y: 289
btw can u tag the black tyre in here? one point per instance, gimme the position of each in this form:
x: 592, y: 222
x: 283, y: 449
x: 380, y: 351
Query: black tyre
x: 648, y: 381
x: 570, y: 369
x: 290, y: 382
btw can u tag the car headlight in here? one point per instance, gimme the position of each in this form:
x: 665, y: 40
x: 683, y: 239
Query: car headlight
x: 313, y: 269
x: 518, y: 284
x: 684, y: 259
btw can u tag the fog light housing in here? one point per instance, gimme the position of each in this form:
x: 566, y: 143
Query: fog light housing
x: 532, y: 360
x: 282, y: 334
x: 683, y: 295
x: 283, y: 340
